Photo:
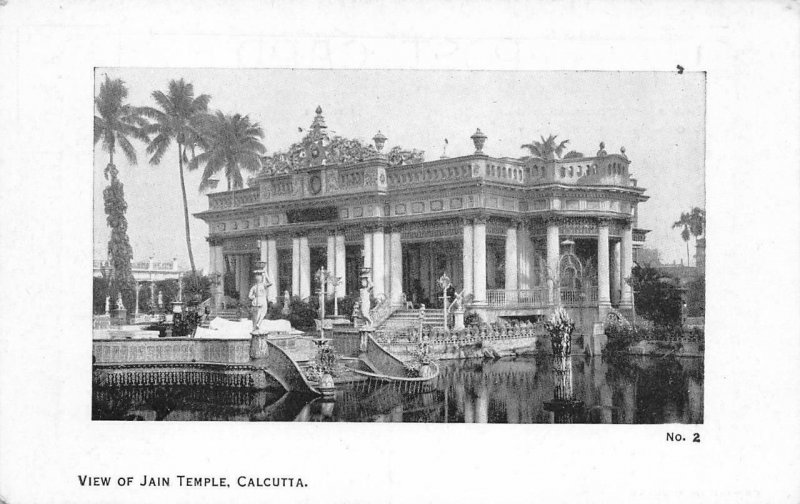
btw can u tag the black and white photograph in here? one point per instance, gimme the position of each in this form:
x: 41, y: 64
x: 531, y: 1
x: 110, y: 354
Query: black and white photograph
x: 419, y: 252
x: 433, y: 247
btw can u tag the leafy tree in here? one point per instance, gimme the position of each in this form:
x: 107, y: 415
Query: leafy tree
x: 115, y: 123
x: 176, y: 120
x: 231, y: 143
x: 692, y: 224
x: 573, y: 155
x: 657, y: 296
x: 546, y: 148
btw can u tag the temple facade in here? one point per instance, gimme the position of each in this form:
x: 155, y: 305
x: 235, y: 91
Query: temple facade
x: 517, y: 236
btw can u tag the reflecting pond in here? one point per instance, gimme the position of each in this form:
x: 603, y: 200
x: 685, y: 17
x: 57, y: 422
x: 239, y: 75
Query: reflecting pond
x: 640, y: 390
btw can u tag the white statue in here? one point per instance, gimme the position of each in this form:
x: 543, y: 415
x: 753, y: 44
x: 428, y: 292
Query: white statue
x: 120, y: 306
x: 160, y: 300
x: 258, y: 298
x: 364, y: 299
x: 108, y: 304
x: 287, y: 303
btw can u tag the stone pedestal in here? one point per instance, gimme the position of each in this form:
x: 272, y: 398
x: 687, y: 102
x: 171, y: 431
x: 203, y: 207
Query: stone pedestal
x: 259, y: 348
x: 119, y: 316
x: 458, y: 319
x: 364, y: 332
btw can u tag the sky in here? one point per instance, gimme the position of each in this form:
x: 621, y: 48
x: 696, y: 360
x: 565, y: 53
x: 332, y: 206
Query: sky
x: 659, y: 117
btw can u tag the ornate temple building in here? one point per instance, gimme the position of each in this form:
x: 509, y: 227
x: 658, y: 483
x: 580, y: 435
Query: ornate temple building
x: 517, y: 236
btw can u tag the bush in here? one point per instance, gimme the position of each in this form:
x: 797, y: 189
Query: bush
x: 621, y: 335
x: 472, y: 319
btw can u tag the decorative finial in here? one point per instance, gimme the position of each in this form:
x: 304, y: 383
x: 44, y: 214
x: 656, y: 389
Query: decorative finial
x: 380, y: 140
x: 602, y: 151
x: 622, y: 150
x: 319, y: 110
x: 479, y: 139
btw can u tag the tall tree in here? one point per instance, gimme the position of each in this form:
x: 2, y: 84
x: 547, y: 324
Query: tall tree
x: 176, y: 120
x: 692, y: 223
x: 232, y: 143
x: 115, y: 124
x: 546, y: 148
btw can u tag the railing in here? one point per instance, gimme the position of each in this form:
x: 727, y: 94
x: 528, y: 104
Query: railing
x: 172, y: 350
x: 140, y: 265
x: 466, y: 336
x: 501, y: 298
x: 382, y: 311
x: 578, y: 297
x: 232, y: 199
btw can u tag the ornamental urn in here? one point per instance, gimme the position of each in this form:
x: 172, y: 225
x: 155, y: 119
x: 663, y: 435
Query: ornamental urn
x: 478, y: 138
x: 380, y: 140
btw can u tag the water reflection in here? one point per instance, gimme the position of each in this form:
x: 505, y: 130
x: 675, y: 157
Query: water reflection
x: 514, y: 390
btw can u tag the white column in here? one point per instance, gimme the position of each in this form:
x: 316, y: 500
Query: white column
x: 136, y: 311
x: 330, y: 256
x: 511, y: 269
x: 367, y: 252
x: 216, y: 265
x: 553, y: 252
x: 296, y: 266
x: 615, y: 272
x: 626, y: 266
x: 479, y: 260
x: 602, y: 264
x: 305, y: 268
x: 272, y: 269
x: 524, y: 258
x: 467, y: 259
x: 244, y: 277
x: 262, y: 251
x: 396, y: 267
x: 377, y: 262
x: 341, y: 264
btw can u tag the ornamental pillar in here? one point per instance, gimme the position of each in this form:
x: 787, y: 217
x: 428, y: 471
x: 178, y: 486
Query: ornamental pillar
x: 602, y: 265
x: 511, y: 269
x: 378, y: 252
x: 615, y: 272
x: 479, y: 261
x: 305, y: 268
x: 524, y: 261
x: 295, y: 266
x: 243, y: 277
x: 272, y: 269
x: 367, y: 252
x: 341, y: 267
x: 330, y: 257
x: 216, y: 265
x: 467, y: 260
x: 626, y: 299
x: 553, y: 253
x: 396, y: 267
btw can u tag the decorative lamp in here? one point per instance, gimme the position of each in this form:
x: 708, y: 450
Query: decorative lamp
x: 380, y: 140
x: 478, y: 138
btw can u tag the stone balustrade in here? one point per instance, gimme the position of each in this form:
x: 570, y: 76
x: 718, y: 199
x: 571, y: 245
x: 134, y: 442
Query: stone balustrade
x: 171, y: 350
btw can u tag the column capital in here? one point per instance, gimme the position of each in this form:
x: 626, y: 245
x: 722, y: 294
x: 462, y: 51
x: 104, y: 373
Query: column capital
x: 465, y: 221
x: 604, y: 222
x: 554, y: 220
x: 481, y: 219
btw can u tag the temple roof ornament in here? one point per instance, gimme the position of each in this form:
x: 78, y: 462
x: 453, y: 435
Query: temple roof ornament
x: 602, y: 152
x: 622, y: 150
x: 380, y: 140
x: 478, y: 139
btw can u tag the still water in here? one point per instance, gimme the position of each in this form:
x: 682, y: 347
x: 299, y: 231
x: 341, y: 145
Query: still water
x: 640, y: 390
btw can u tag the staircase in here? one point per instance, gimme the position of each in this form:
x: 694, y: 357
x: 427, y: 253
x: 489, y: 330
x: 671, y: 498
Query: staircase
x: 402, y: 319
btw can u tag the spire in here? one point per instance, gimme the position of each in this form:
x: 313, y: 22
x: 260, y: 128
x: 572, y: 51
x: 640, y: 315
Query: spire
x: 318, y: 127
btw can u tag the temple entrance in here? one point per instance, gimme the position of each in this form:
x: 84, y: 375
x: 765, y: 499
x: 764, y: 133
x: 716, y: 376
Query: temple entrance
x: 423, y: 265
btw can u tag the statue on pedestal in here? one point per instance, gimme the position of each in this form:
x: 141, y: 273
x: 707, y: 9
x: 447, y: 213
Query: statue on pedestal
x: 258, y: 298
x: 108, y: 304
x: 120, y: 306
x: 160, y: 300
x: 287, y: 301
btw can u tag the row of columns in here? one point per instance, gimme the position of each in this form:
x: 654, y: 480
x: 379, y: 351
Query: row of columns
x: 382, y: 254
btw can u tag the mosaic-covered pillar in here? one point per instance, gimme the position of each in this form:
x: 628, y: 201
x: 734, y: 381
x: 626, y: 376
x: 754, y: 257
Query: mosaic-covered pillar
x: 305, y: 268
x: 295, y: 266
x: 626, y: 301
x: 615, y: 272
x: 511, y: 259
x: 603, y: 298
x: 272, y: 269
x: 467, y: 260
x: 378, y: 274
x: 553, y: 253
x: 396, y: 267
x: 479, y: 261
x: 341, y: 264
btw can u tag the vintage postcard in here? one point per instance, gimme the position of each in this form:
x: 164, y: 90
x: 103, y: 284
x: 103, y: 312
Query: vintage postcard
x: 423, y: 252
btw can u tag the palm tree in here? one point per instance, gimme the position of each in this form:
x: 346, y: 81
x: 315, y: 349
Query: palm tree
x: 693, y: 224
x: 231, y: 143
x: 176, y: 120
x: 116, y: 123
x: 546, y: 148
